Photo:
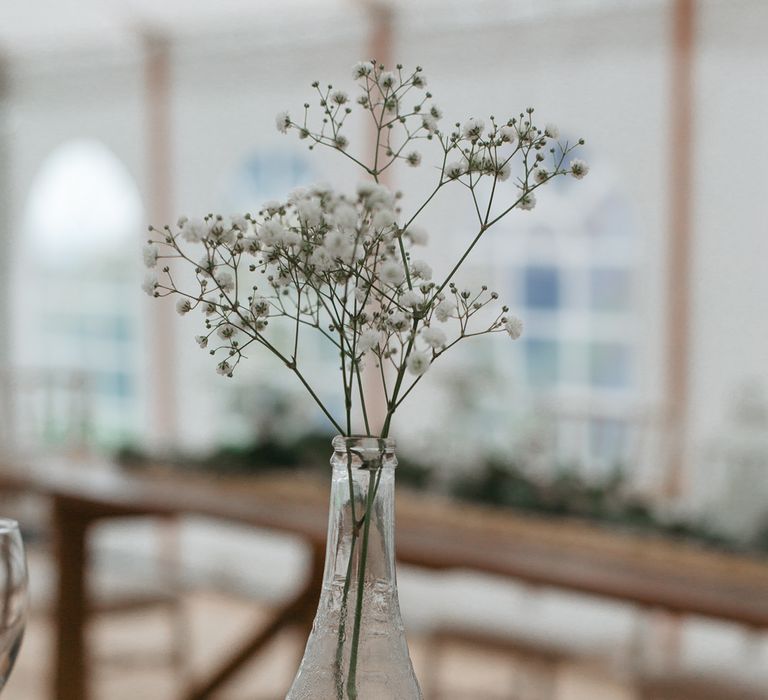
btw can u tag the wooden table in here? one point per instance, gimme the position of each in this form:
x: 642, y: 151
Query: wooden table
x: 431, y: 532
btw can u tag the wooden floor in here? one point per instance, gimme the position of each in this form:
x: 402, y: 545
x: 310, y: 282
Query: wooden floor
x: 132, y: 659
x: 132, y: 656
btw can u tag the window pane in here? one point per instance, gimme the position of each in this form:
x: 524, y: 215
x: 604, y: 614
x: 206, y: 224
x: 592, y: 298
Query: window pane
x: 609, y: 366
x: 611, y: 218
x: 542, y: 361
x: 542, y: 288
x: 115, y: 384
x: 610, y: 289
x: 608, y: 440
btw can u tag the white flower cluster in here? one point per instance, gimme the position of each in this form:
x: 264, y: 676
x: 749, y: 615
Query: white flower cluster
x: 473, y: 151
x: 340, y: 265
x: 347, y: 267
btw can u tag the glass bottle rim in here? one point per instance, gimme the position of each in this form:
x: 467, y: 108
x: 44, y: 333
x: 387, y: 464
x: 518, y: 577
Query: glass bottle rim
x: 364, y: 442
x: 9, y: 526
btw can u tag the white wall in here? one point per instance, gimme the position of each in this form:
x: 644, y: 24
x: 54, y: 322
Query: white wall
x: 602, y: 75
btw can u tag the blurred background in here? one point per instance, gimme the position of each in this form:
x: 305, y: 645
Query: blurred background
x: 634, y: 410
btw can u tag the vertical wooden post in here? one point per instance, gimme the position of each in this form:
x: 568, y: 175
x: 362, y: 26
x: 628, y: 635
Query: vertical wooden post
x: 380, y: 44
x: 70, y: 677
x: 680, y: 248
x: 159, y: 179
x: 7, y: 409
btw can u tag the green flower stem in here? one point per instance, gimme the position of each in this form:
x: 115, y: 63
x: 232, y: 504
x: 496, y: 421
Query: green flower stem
x: 352, y: 676
x: 343, y: 621
x: 347, y: 584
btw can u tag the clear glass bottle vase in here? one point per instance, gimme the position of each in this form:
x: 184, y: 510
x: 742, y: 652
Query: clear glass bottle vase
x: 357, y: 648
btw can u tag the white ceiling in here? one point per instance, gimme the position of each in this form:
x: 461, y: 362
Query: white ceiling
x: 54, y: 26
x: 61, y: 25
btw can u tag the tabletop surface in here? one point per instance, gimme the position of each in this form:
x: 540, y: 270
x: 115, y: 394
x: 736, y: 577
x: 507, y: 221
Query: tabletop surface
x: 437, y: 533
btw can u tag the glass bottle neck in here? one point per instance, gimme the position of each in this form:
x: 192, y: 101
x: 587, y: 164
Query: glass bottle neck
x: 363, y: 482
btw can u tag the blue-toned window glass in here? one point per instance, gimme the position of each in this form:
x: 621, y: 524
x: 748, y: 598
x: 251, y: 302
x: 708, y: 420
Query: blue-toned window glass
x: 122, y: 329
x: 610, y: 218
x: 266, y: 175
x: 542, y: 287
x: 542, y: 359
x: 609, y: 289
x: 608, y: 439
x: 115, y: 384
x: 610, y: 365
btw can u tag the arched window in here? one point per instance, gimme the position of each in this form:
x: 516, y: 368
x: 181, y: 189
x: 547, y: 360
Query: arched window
x: 265, y: 401
x: 571, y: 278
x: 76, y: 299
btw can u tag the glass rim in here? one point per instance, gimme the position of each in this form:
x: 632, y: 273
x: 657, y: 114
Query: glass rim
x: 9, y: 525
x: 364, y: 441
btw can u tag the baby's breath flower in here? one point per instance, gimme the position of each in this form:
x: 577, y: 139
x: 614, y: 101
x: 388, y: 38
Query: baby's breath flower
x: 283, y: 122
x: 503, y: 172
x: 290, y: 239
x: 419, y: 80
x: 551, y: 131
x: 421, y: 270
x: 150, y: 253
x: 369, y: 339
x: 321, y: 260
x: 411, y: 298
x: 339, y: 245
x: 392, y: 273
x: 433, y: 337
x: 150, y: 283
x: 239, y: 222
x: 310, y: 212
x: 540, y: 175
x: 473, y: 128
x: 339, y: 97
x: 429, y: 122
x: 445, y: 310
x: 413, y: 159
x: 271, y: 232
x: 383, y: 218
x: 225, y: 280
x: 508, y: 134
x: 579, y: 168
x: 514, y: 326
x: 251, y: 245
x: 391, y: 103
x: 341, y: 142
x: 417, y: 235
x: 365, y: 189
x: 219, y: 232
x: 455, y: 169
x: 183, y: 306
x: 226, y: 331
x: 345, y: 216
x: 297, y: 194
x: 398, y: 321
x: 417, y: 363
x: 527, y: 133
x: 194, y: 230
x: 260, y: 306
x: 387, y: 79
x: 224, y: 369
x: 272, y: 207
x: 527, y: 201
x: 362, y: 69
x: 202, y: 341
